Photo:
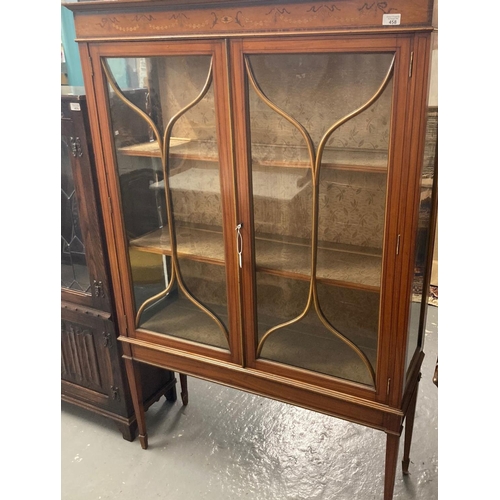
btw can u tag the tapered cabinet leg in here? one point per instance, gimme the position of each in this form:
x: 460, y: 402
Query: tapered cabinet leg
x: 410, y: 419
x: 391, y: 460
x: 134, y: 380
x: 184, y: 389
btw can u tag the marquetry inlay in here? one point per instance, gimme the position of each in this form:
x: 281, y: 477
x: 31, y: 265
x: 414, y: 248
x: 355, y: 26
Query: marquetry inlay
x: 341, y: 14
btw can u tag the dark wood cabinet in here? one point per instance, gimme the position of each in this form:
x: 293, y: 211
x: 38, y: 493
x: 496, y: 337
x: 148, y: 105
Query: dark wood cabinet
x: 268, y: 206
x: 92, y: 369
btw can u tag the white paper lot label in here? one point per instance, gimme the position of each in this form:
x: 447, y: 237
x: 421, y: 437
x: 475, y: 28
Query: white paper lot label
x: 391, y: 19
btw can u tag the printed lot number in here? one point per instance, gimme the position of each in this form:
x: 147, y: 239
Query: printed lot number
x: 391, y: 19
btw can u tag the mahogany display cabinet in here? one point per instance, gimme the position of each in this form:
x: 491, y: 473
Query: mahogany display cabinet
x: 276, y: 187
x: 92, y: 368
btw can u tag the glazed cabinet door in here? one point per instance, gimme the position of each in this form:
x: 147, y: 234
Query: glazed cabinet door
x: 426, y: 223
x: 319, y: 154
x: 163, y: 113
x: 83, y: 272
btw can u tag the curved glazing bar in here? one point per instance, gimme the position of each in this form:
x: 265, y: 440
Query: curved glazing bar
x: 165, y: 156
x: 114, y: 85
x: 164, y: 146
x: 314, y: 168
x: 312, y: 157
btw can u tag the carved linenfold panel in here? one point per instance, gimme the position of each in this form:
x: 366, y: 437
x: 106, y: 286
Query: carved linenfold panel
x: 243, y: 18
x: 79, y: 360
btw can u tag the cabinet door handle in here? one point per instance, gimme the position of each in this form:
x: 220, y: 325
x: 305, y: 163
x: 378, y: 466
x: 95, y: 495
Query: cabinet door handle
x: 76, y: 147
x: 239, y: 244
x: 107, y: 339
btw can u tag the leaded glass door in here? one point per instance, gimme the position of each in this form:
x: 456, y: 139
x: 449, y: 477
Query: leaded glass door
x: 320, y: 122
x: 173, y: 175
x: 83, y: 272
x: 74, y: 269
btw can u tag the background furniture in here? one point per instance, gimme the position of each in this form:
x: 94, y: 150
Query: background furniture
x: 92, y: 371
x: 291, y: 204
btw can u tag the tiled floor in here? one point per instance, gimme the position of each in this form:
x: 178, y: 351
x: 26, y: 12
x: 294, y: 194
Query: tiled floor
x: 227, y: 444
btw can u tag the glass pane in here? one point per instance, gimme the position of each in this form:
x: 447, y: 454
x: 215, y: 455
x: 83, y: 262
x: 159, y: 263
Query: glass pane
x: 420, y: 295
x: 74, y: 270
x: 164, y: 124
x: 319, y: 141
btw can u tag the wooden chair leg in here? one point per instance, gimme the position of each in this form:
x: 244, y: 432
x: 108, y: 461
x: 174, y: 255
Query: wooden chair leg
x: 410, y: 419
x: 134, y: 380
x: 184, y: 389
x: 391, y: 460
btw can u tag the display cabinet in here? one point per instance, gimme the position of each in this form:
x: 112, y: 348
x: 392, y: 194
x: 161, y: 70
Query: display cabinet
x: 92, y: 371
x: 274, y: 185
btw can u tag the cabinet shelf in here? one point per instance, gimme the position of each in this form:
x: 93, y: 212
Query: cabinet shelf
x: 326, y: 353
x: 180, y: 318
x: 341, y: 265
x: 269, y: 155
x: 179, y: 148
x: 361, y: 160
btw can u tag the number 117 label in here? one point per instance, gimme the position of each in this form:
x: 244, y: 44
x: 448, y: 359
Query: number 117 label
x: 391, y: 19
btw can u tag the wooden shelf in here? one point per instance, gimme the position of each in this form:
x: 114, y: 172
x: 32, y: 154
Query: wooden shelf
x: 268, y: 155
x: 182, y: 319
x: 337, y: 264
x: 362, y: 160
x: 341, y: 265
x: 179, y: 148
x: 278, y: 185
x: 148, y: 149
x: 307, y: 344
x: 202, y: 245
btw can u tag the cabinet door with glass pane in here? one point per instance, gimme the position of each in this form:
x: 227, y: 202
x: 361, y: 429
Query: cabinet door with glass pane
x: 320, y: 124
x: 170, y: 164
x: 83, y: 273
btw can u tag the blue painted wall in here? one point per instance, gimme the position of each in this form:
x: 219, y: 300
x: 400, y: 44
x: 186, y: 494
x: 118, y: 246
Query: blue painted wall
x: 72, y: 55
x: 70, y: 47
